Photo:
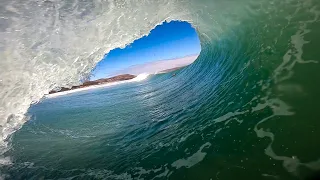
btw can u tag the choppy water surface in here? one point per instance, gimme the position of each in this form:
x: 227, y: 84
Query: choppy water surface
x: 248, y: 108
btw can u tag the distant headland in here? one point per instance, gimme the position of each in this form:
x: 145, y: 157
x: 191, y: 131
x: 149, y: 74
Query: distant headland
x: 102, y: 81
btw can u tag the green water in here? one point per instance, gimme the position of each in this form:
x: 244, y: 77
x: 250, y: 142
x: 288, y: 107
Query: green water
x: 248, y: 108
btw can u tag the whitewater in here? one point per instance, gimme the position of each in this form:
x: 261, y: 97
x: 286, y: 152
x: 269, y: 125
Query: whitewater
x: 246, y: 108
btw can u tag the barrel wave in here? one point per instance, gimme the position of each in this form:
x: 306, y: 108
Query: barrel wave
x: 247, y: 108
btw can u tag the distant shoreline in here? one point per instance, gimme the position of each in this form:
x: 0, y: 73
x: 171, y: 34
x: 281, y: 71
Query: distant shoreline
x: 104, y: 82
x: 85, y: 88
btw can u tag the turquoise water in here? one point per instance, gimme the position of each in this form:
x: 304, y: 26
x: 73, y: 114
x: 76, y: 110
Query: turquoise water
x: 247, y: 108
x: 166, y: 127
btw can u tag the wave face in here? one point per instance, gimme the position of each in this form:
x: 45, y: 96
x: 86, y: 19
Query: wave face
x: 250, y: 99
x: 49, y: 44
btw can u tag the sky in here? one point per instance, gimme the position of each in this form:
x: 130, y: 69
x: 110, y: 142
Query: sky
x: 171, y: 40
x: 156, y: 67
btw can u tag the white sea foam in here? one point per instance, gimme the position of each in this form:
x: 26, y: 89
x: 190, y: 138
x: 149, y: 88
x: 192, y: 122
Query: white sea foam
x: 193, y: 159
x: 141, y: 77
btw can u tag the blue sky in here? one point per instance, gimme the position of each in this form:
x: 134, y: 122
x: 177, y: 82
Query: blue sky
x: 166, y: 41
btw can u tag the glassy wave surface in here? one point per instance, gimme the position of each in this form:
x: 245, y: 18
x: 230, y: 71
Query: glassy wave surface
x: 247, y: 108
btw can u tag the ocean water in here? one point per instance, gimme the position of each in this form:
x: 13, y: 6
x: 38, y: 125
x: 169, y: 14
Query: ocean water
x: 201, y: 127
x: 247, y: 108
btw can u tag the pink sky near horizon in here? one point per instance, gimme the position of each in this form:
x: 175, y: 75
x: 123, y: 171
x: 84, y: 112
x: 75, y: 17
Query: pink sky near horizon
x: 157, y: 66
